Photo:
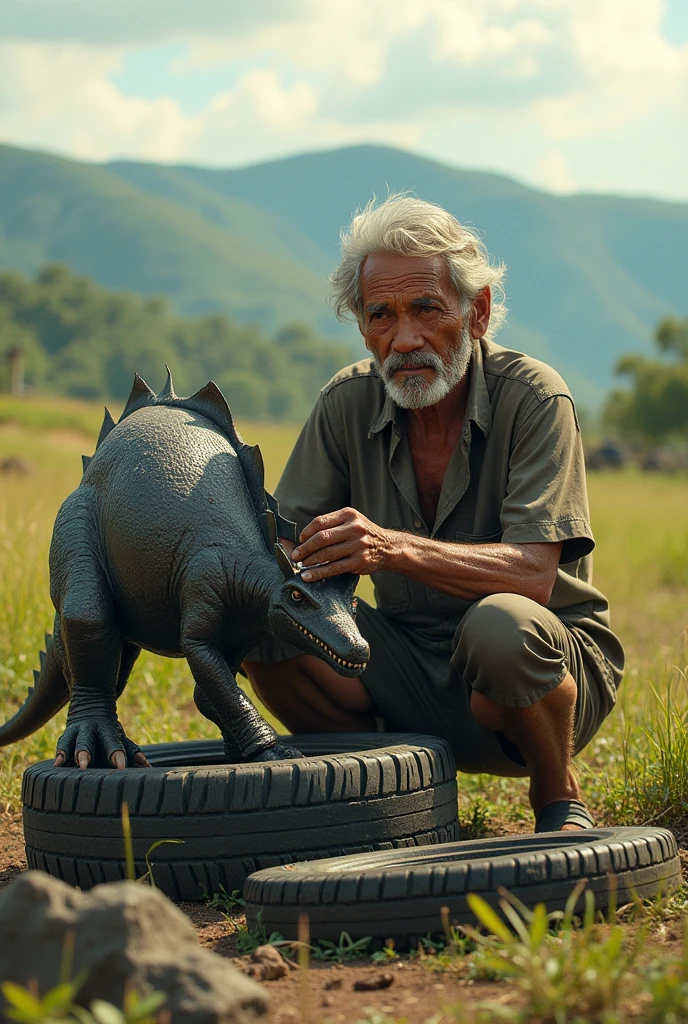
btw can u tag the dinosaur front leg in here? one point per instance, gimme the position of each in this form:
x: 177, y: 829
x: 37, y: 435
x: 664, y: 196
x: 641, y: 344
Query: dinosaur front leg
x: 234, y: 712
x: 233, y: 753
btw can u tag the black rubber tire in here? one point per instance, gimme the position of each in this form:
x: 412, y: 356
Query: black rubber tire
x: 399, y: 895
x: 354, y: 793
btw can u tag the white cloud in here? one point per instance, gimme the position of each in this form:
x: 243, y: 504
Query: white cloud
x: 553, y: 173
x: 510, y: 83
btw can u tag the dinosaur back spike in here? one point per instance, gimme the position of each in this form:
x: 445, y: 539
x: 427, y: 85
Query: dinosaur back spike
x: 108, y: 425
x: 85, y: 460
x: 285, y: 563
x: 167, y: 394
x: 211, y: 403
x: 139, y: 396
x: 271, y: 521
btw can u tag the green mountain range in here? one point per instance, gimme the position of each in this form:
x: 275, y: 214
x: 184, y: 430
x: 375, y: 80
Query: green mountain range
x: 589, y: 276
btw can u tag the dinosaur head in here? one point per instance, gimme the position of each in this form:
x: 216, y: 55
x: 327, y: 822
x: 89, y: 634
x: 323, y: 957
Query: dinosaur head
x: 319, y: 618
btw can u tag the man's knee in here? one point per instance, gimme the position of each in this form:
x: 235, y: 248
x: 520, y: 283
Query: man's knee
x: 505, y: 650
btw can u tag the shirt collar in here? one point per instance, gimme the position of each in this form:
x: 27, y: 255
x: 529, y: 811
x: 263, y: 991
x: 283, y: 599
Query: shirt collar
x: 477, y: 404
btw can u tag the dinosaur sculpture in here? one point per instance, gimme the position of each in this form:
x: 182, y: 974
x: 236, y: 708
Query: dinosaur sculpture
x: 170, y: 544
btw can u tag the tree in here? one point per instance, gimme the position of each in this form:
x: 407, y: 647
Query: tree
x: 655, y: 407
x: 81, y: 339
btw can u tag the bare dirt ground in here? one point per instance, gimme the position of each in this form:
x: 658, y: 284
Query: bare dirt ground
x: 330, y: 993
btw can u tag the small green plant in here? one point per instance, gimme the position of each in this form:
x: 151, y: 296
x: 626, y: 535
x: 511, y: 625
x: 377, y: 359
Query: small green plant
x: 564, y: 970
x: 667, y: 985
x: 375, y: 1017
x: 225, y: 902
x: 58, y: 1005
x: 129, y: 850
x: 339, y: 952
x: 474, y: 823
x: 386, y: 954
x: 249, y: 939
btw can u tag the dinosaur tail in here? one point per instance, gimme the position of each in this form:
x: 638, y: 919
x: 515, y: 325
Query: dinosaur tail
x: 49, y: 693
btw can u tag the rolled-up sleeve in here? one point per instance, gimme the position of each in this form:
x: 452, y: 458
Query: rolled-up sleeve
x: 316, y: 478
x: 546, y: 499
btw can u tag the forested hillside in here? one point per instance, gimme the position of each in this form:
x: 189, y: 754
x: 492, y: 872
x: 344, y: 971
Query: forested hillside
x: 84, y: 340
x: 589, y: 276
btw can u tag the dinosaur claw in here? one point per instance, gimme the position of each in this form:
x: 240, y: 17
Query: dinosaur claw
x: 118, y: 759
x: 83, y: 758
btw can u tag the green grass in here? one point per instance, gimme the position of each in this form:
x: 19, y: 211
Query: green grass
x: 635, y: 769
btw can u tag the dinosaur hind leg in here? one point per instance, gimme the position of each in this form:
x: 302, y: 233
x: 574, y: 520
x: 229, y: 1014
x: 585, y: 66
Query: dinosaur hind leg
x: 99, y: 667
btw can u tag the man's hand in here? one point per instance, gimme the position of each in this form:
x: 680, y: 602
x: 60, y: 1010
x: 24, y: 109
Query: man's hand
x: 343, y: 541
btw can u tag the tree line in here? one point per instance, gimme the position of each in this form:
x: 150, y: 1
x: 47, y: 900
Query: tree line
x: 83, y: 340
x: 654, y: 406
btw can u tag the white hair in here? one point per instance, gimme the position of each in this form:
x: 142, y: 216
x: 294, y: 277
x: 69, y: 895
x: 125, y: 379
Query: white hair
x: 409, y: 226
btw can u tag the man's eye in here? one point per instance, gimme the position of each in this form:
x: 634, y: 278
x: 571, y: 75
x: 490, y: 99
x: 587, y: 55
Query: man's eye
x: 296, y: 595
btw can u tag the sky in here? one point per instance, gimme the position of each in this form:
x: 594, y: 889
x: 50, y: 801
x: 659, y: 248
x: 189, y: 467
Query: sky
x: 566, y: 95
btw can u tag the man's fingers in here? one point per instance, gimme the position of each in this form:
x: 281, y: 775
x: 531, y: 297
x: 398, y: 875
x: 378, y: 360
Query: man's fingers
x: 118, y: 759
x: 83, y: 758
x: 322, y: 572
x: 321, y: 540
x: 333, y: 553
x: 325, y: 522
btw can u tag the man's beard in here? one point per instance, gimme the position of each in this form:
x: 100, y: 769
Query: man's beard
x: 416, y: 392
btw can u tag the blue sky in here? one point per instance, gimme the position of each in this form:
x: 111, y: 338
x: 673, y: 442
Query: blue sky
x: 568, y: 95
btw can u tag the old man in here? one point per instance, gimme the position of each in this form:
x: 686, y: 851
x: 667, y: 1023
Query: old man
x: 450, y: 470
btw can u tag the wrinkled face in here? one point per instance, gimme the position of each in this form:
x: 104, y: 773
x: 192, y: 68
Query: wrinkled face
x: 413, y: 324
x: 319, y: 618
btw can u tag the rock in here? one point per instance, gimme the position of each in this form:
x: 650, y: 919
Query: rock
x: 125, y: 933
x: 267, y: 964
x: 14, y: 464
x: 374, y: 984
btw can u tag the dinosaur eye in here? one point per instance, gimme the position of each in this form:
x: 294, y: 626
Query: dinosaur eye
x: 296, y: 595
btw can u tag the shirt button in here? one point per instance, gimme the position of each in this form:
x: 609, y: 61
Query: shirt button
x: 417, y: 523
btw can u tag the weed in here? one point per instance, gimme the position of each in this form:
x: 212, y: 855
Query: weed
x: 667, y: 985
x: 129, y: 850
x: 475, y: 822
x: 339, y: 952
x: 386, y: 954
x: 579, y: 972
x: 226, y: 903
x: 249, y: 939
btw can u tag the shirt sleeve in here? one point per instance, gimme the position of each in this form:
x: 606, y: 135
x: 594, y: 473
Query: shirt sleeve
x: 546, y: 499
x: 316, y: 478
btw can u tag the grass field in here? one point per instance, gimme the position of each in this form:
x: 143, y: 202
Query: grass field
x: 636, y: 769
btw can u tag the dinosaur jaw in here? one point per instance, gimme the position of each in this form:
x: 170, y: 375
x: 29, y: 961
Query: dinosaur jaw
x: 342, y: 665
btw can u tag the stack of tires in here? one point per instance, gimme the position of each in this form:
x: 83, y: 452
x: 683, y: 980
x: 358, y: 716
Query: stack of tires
x: 360, y: 834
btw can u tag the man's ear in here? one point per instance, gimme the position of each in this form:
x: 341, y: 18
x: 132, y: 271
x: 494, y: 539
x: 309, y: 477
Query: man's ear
x: 482, y: 306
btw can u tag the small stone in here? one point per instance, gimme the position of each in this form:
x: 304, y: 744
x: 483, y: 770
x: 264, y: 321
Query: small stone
x: 380, y: 981
x: 124, y: 935
x: 269, y: 962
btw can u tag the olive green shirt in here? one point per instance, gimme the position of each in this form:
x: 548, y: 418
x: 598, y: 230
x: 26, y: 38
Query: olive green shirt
x: 517, y: 475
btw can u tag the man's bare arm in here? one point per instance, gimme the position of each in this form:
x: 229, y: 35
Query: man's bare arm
x: 346, y: 541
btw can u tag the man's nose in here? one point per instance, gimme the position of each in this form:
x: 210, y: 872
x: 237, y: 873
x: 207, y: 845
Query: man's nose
x: 406, y: 338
